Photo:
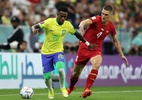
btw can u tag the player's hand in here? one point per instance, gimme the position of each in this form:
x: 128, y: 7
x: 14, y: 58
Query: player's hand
x: 124, y: 58
x: 93, y: 47
x: 35, y: 32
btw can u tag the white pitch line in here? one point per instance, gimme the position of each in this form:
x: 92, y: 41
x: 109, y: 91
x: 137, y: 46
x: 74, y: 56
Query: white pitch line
x: 99, y: 92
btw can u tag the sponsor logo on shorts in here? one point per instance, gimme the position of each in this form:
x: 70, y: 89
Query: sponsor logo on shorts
x: 60, y: 56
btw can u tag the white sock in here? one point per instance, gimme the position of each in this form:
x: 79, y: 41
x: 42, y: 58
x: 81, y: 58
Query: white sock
x: 61, y: 77
x: 49, y: 84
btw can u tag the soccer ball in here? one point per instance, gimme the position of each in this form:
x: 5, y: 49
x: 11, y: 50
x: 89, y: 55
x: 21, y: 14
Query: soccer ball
x: 26, y: 92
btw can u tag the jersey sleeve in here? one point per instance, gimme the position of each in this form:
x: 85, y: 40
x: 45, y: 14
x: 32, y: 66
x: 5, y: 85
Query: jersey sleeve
x: 45, y: 23
x: 113, y: 33
x: 94, y: 19
x: 72, y: 30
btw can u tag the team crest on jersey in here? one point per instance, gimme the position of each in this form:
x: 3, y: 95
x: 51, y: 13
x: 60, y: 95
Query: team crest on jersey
x: 93, y: 18
x: 63, y: 32
x: 60, y: 56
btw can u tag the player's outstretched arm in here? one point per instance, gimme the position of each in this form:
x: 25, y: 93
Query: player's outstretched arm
x: 118, y: 48
x: 81, y: 38
x: 84, y: 23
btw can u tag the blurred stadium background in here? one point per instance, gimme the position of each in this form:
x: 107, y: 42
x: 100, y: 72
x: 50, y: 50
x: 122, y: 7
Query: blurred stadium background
x: 24, y: 68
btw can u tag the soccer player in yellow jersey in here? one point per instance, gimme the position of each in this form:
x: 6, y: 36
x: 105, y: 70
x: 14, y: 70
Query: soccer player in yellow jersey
x: 52, y: 49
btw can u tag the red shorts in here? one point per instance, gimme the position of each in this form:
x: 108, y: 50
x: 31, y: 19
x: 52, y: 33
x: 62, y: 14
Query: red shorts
x: 84, y: 55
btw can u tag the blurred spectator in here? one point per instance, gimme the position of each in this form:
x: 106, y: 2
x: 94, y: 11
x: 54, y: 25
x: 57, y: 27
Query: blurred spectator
x: 16, y: 40
x: 38, y: 46
x: 50, y: 10
x: 108, y: 46
x: 69, y: 48
x: 23, y: 16
x: 6, y: 18
x: 5, y: 8
x: 140, y: 50
x: 31, y: 40
x: 136, y: 43
x: 39, y: 42
x: 42, y: 17
x: 127, y: 15
x: 95, y: 8
x: 1, y: 16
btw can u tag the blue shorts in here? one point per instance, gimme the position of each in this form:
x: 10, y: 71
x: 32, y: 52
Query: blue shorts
x: 49, y: 61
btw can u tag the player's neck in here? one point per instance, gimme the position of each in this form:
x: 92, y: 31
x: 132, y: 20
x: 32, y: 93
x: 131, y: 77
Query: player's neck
x: 58, y: 22
x: 105, y: 23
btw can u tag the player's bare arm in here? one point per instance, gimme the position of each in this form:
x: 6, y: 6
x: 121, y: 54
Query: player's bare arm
x: 118, y: 48
x: 80, y: 37
x: 84, y: 23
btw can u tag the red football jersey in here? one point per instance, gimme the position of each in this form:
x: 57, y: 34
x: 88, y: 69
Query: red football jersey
x: 96, y: 32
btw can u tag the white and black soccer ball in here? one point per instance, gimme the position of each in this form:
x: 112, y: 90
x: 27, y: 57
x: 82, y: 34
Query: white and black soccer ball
x: 26, y: 92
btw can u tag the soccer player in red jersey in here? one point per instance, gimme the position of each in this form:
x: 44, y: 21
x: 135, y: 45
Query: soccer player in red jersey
x: 99, y: 27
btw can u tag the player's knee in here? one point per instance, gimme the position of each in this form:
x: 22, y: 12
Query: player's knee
x: 60, y: 65
x: 95, y: 66
x: 47, y: 75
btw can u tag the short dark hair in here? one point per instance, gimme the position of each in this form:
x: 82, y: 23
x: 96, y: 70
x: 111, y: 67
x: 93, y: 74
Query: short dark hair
x: 109, y: 8
x: 63, y: 8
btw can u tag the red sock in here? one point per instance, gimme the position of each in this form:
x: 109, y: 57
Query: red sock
x: 91, y: 78
x: 73, y: 81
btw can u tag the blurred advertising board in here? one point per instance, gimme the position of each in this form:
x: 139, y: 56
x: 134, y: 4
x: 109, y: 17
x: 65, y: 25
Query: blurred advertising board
x: 25, y: 69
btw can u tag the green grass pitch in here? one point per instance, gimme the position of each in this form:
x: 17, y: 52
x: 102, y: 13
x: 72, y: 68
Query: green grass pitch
x: 99, y: 93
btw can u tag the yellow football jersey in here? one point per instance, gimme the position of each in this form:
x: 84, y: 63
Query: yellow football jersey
x: 55, y: 35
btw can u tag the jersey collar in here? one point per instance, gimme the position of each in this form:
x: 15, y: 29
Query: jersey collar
x: 58, y: 23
